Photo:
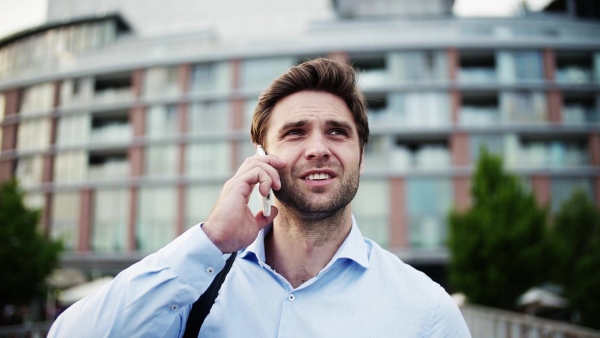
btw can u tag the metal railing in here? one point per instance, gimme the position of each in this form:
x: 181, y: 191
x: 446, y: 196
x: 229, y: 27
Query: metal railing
x: 486, y: 322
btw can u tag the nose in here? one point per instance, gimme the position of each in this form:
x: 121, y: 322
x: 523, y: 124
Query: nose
x: 317, y: 147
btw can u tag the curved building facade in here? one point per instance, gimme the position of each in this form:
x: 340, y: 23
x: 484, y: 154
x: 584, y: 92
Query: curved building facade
x: 125, y: 139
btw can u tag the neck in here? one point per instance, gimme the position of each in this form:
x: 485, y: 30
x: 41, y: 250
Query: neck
x: 298, y: 248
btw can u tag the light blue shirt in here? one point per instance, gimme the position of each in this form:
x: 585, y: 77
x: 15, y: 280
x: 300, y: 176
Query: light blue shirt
x: 364, y: 291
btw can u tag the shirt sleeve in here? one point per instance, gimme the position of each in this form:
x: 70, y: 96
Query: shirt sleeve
x: 448, y: 321
x: 151, y: 298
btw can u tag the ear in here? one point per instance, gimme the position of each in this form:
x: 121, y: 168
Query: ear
x: 362, y: 161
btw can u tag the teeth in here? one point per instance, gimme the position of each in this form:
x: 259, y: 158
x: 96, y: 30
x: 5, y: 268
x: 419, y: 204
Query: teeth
x: 321, y: 176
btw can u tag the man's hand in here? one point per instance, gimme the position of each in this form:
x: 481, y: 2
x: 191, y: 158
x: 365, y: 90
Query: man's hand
x: 231, y: 225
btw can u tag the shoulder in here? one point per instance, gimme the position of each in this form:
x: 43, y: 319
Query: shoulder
x: 424, y: 298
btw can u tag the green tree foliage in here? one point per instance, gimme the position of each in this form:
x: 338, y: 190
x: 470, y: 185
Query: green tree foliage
x: 26, y: 255
x: 498, y: 245
x: 576, y: 244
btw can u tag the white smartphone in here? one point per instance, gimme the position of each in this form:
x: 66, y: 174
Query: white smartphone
x: 267, y: 201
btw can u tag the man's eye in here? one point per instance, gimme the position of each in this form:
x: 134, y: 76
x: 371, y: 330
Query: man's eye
x: 338, y: 132
x: 294, y: 132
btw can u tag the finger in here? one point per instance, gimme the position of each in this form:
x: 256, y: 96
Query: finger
x: 271, y: 160
x: 263, y: 174
x: 262, y: 221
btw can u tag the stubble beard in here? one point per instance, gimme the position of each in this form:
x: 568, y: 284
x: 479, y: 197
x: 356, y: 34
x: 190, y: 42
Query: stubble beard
x: 302, y: 206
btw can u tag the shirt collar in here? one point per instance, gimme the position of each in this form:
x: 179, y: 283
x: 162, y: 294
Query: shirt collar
x: 353, y: 248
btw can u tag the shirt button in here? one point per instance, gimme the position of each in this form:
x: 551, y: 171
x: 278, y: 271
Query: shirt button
x: 291, y: 297
x: 210, y: 270
x: 174, y: 307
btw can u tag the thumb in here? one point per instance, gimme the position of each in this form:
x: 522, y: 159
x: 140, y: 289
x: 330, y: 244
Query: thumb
x: 262, y: 220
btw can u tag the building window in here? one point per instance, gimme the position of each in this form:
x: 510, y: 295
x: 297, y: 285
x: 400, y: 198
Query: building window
x: 524, y: 107
x: 76, y: 92
x: 30, y: 170
x: 257, y: 74
x: 494, y: 144
x: 563, y: 188
x: 520, y: 66
x: 480, y: 109
x: 208, y: 117
x: 431, y: 154
x: 418, y: 67
x: 110, y: 220
x: 580, y: 108
x: 106, y: 166
x: 371, y: 209
x: 73, y: 130
x: 371, y: 70
x: 162, y: 121
x: 65, y: 219
x: 428, y: 202
x: 208, y: 159
x: 200, y: 200
x: 377, y: 152
x: 111, y: 127
x: 37, y: 99
x: 208, y: 78
x: 33, y: 135
x: 425, y: 109
x: 477, y: 67
x: 541, y: 152
x: 161, y: 160
x: 113, y: 88
x: 162, y: 82
x: 157, y: 216
x: 70, y: 167
x: 574, y: 67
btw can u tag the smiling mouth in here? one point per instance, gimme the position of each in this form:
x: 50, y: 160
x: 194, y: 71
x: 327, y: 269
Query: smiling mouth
x: 317, y: 177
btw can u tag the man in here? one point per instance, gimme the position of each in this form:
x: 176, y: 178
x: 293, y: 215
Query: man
x: 304, y: 271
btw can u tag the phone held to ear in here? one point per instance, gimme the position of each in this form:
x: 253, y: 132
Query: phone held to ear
x: 267, y: 201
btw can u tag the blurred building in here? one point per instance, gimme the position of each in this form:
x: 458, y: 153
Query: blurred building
x: 123, y: 119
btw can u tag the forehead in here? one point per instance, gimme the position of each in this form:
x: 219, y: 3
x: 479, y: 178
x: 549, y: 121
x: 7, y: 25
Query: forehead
x: 308, y: 106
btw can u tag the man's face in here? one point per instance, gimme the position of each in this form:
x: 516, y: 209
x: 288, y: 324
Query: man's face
x: 315, y: 133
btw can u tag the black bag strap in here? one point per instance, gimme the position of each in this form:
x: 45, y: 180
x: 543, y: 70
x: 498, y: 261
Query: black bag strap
x: 202, y: 306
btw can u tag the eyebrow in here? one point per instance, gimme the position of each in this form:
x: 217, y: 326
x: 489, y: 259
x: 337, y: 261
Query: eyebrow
x: 302, y: 123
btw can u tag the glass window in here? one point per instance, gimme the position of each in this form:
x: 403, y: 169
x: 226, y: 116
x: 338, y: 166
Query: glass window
x: 111, y: 128
x: 157, y: 217
x: 110, y: 220
x: 30, y: 170
x: 371, y: 71
x: 428, y: 200
x: 377, y: 152
x: 33, y: 134
x: 580, y: 109
x: 37, y: 98
x: 370, y: 207
x: 418, y: 66
x: 208, y: 159
x: 257, y: 74
x: 249, y: 107
x: 208, y: 117
x: 104, y: 167
x: 563, y: 188
x: 520, y: 66
x: 493, y: 143
x: 426, y: 155
x: 553, y: 153
x: 73, y: 130
x: 76, y: 92
x: 65, y: 219
x: 162, y: 81
x: 162, y: 121
x: 200, y: 201
x: 526, y: 107
x: 211, y: 78
x: 113, y: 88
x: 161, y: 160
x: 480, y: 109
x: 70, y: 167
x: 417, y: 110
x: 477, y: 67
x: 574, y: 67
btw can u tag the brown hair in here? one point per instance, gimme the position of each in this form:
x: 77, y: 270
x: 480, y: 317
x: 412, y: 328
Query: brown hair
x: 320, y: 74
